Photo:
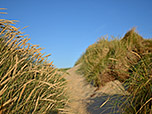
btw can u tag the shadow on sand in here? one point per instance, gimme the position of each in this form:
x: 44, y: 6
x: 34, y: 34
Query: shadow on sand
x: 112, y: 104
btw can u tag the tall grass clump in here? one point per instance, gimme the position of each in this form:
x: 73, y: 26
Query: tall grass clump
x: 139, y: 84
x: 28, y: 83
x: 100, y: 61
x: 109, y: 60
x: 94, y: 61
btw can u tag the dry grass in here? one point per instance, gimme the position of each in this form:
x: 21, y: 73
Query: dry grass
x: 28, y: 83
x: 139, y: 84
x: 127, y: 60
x: 3, y: 12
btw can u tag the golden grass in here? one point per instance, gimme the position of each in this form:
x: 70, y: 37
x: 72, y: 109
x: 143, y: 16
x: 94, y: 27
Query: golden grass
x: 28, y: 83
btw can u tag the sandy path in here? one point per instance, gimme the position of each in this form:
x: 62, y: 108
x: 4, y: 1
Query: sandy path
x: 79, y: 91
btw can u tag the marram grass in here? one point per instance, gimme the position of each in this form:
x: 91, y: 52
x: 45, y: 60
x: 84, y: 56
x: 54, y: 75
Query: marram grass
x: 139, y: 84
x: 128, y: 60
x: 28, y: 83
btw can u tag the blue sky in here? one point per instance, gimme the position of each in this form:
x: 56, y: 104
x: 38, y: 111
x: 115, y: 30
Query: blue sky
x: 65, y: 28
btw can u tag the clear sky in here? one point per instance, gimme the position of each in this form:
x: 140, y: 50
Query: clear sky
x: 65, y: 28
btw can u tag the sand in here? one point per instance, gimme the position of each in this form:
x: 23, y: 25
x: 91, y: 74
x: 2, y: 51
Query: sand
x: 84, y: 99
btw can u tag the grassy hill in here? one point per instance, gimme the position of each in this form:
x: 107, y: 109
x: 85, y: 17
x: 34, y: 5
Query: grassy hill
x: 128, y: 60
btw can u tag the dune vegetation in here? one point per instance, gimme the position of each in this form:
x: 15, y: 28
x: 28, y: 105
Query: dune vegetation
x: 126, y: 59
x: 28, y: 82
x: 32, y: 85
